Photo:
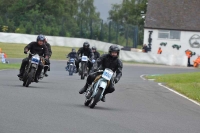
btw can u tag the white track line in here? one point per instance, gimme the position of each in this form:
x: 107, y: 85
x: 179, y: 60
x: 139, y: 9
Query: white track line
x: 160, y: 84
x: 142, y: 76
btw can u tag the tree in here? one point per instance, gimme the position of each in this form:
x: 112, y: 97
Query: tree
x: 73, y: 18
x: 129, y: 13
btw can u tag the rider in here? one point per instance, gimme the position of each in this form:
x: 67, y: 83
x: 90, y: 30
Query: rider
x: 50, y: 53
x: 96, y: 53
x: 86, y: 51
x: 110, y: 61
x: 39, y: 48
x: 72, y: 54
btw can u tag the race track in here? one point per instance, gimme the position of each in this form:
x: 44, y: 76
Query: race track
x: 55, y: 106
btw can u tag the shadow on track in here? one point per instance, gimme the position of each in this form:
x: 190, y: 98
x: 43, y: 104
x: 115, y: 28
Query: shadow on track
x: 31, y: 87
x: 96, y: 108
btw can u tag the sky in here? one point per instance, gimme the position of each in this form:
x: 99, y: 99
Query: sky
x: 103, y: 6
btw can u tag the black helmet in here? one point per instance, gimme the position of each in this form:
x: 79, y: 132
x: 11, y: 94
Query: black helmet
x: 73, y: 50
x: 40, y: 38
x: 86, y: 45
x: 94, y: 48
x: 114, y: 48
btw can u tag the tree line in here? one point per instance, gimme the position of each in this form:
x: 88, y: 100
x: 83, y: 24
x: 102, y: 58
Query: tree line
x: 70, y: 18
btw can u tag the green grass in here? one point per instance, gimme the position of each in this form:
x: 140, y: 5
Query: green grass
x: 17, y: 51
x: 9, y: 66
x: 187, y: 84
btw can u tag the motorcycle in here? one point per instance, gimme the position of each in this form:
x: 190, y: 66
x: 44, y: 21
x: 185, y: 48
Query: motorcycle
x: 71, y: 68
x: 95, y: 91
x: 83, y: 70
x: 30, y: 70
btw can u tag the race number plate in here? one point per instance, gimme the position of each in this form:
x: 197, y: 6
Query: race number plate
x: 107, y: 74
x: 84, y: 58
x: 35, y: 59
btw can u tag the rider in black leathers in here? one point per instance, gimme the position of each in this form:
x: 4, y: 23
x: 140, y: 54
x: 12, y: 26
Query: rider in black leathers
x: 72, y: 54
x: 50, y: 53
x: 37, y: 47
x: 86, y: 51
x: 96, y: 53
x: 110, y: 61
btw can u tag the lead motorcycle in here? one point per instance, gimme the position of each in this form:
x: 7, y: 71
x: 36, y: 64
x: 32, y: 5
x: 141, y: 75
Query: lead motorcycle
x: 95, y: 92
x: 30, y: 70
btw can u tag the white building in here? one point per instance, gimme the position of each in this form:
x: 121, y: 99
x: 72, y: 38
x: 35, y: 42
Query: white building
x: 175, y: 22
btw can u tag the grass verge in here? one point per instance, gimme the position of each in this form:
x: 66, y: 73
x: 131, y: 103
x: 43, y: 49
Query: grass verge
x: 187, y: 84
x: 17, y: 51
x: 9, y: 66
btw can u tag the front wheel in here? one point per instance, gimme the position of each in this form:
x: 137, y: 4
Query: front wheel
x: 30, y: 77
x: 70, y: 70
x: 96, y: 99
x: 83, y: 70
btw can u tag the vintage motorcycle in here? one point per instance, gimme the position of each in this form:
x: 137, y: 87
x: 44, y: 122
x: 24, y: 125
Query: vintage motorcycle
x: 71, y: 68
x: 95, y: 91
x: 30, y: 70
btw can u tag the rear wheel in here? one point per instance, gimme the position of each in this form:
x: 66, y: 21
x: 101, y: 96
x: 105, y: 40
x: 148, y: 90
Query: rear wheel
x: 96, y: 99
x: 30, y: 77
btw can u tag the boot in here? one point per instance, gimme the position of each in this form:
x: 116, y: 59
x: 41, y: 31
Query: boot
x: 21, y: 73
x: 46, y: 75
x: 84, y: 89
x: 45, y: 71
x: 103, y: 99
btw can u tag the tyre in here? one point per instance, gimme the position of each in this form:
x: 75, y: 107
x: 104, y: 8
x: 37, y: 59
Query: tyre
x: 87, y: 102
x: 96, y: 98
x: 83, y: 71
x: 70, y: 70
x: 30, y: 77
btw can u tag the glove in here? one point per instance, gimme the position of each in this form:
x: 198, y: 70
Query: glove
x: 46, y: 60
x: 116, y: 80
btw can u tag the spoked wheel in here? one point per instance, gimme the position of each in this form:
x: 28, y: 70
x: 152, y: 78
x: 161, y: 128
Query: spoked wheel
x: 96, y: 99
x: 70, y: 70
x: 24, y: 79
x: 30, y: 77
x: 83, y: 70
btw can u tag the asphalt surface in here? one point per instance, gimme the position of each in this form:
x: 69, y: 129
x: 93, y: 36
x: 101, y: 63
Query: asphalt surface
x: 54, y: 105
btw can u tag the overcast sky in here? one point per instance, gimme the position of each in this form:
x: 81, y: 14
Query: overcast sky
x: 103, y: 6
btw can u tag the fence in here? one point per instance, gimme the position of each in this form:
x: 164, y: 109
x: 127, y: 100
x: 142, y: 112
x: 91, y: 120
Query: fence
x: 77, y: 42
x: 111, y: 32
